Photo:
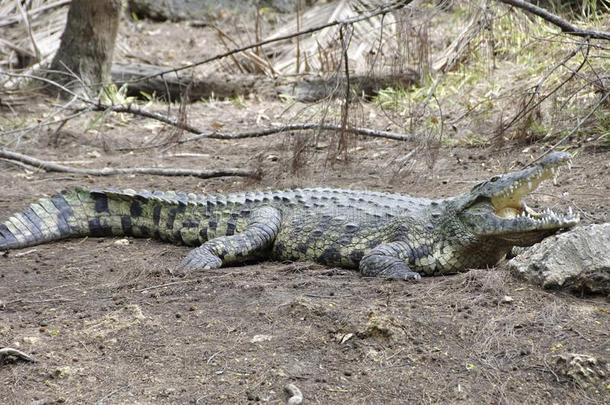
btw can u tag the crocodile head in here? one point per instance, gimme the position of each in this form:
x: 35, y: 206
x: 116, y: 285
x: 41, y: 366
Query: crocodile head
x: 495, y: 208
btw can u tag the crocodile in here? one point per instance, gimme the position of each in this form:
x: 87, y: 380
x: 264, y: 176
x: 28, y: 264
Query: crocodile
x: 381, y: 234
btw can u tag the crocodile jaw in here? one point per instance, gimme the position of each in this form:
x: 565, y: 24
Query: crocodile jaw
x: 505, y: 215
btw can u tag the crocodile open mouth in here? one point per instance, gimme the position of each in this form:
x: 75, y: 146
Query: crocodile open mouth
x: 509, y: 204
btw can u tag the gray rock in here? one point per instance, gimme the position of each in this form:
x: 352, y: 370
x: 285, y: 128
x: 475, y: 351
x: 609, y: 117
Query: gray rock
x: 578, y: 260
x: 585, y: 370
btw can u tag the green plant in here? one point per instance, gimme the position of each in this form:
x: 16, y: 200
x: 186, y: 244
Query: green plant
x: 238, y: 101
x: 111, y: 94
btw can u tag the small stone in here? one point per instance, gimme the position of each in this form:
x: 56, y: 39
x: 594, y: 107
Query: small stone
x: 346, y: 337
x: 62, y: 372
x: 121, y: 242
x: 31, y: 340
x: 93, y: 154
x: 507, y: 299
x: 260, y: 338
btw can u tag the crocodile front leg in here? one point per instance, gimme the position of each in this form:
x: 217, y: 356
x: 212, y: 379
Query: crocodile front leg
x: 262, y: 228
x: 389, y: 260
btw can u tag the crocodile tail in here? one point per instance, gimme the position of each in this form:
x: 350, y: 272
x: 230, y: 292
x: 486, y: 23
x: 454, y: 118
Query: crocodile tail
x: 72, y: 213
x: 98, y: 212
x: 57, y: 217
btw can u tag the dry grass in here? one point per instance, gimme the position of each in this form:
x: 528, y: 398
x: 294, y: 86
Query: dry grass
x: 518, y: 74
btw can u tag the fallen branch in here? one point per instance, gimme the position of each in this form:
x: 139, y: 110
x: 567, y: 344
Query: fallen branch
x: 565, y: 26
x: 131, y: 109
x: 302, y: 127
x: 109, y: 171
x: 201, y: 134
x: 171, y: 87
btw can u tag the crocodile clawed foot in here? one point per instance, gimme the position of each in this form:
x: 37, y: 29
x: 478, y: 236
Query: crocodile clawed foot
x: 399, y: 271
x: 402, y: 274
x: 199, y: 260
x: 381, y: 264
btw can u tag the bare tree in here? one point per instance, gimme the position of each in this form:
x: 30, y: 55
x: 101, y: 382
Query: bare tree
x: 84, y: 57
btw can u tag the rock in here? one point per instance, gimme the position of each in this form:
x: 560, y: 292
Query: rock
x: 121, y: 242
x: 30, y: 340
x: 294, y: 394
x: 62, y: 372
x: 346, y: 337
x: 577, y: 260
x: 381, y: 326
x: 585, y: 370
x: 507, y: 299
x: 261, y: 338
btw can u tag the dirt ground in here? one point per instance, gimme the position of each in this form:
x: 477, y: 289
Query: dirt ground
x: 108, y: 323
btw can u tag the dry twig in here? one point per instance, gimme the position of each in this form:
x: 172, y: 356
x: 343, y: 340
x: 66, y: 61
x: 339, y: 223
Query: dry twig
x: 200, y: 134
x: 28, y: 26
x: 532, y: 103
x: 303, y: 127
x: 576, y: 128
x: 110, y: 171
x: 345, y: 35
x: 565, y: 26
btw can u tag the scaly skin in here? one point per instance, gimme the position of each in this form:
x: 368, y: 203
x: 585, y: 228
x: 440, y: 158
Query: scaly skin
x: 381, y: 234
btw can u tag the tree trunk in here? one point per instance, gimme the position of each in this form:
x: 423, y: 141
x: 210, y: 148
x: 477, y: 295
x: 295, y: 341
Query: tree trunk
x: 87, y: 45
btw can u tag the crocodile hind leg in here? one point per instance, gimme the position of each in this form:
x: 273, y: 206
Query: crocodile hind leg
x: 388, y: 260
x: 259, y: 234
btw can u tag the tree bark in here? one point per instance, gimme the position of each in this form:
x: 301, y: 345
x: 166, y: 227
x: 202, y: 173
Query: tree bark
x: 84, y: 57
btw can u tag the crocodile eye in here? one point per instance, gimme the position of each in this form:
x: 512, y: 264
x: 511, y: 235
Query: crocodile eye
x: 495, y: 178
